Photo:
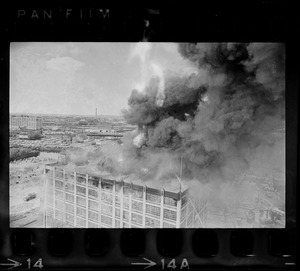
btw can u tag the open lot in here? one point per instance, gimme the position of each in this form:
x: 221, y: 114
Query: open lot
x: 26, y: 190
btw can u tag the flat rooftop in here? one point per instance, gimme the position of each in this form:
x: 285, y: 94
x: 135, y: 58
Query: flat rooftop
x: 171, y: 185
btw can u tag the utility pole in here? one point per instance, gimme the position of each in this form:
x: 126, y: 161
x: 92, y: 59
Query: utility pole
x: 180, y: 176
x: 189, y: 199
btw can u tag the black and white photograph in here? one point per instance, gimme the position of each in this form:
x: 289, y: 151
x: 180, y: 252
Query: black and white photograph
x: 147, y: 135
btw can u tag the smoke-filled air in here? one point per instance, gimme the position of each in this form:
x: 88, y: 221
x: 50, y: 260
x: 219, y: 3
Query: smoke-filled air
x: 147, y: 135
x: 211, y: 127
x: 219, y: 120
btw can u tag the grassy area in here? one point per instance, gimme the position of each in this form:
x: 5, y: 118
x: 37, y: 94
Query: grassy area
x: 21, y: 153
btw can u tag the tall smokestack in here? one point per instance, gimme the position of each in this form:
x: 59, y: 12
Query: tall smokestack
x: 96, y: 112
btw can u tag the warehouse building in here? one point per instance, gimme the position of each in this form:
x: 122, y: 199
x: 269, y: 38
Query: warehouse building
x: 82, y: 200
x: 23, y: 121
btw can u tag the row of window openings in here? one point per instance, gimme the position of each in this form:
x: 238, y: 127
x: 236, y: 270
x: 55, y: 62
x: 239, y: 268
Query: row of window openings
x: 92, y: 218
x: 149, y: 223
x: 136, y: 219
x: 94, y: 182
x: 107, y: 209
x: 168, y: 214
x: 93, y: 193
x: 81, y: 222
x: 126, y: 190
x: 82, y: 181
x: 136, y: 206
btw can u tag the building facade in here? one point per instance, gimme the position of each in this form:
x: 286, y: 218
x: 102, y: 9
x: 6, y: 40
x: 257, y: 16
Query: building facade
x: 85, y: 201
x: 24, y: 121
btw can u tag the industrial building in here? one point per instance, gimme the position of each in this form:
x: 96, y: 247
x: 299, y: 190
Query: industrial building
x: 84, y: 200
x: 26, y: 122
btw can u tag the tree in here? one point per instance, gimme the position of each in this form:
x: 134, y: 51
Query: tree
x: 34, y: 135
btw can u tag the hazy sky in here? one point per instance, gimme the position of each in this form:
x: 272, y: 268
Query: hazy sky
x: 75, y: 78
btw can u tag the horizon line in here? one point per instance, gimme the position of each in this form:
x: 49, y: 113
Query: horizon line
x: 59, y: 114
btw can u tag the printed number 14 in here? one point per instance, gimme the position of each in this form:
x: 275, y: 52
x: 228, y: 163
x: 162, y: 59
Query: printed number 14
x: 38, y: 263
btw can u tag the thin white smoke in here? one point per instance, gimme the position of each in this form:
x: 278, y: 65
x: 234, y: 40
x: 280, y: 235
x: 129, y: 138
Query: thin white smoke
x: 149, y: 68
x: 141, y: 51
x: 158, y: 72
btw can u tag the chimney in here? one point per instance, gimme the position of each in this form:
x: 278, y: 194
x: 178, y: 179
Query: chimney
x: 96, y: 112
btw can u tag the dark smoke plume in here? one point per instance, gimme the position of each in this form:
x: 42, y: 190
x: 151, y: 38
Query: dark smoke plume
x: 217, y: 120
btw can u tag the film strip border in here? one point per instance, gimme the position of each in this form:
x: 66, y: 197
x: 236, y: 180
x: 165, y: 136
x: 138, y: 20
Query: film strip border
x: 163, y: 249
x: 180, y: 22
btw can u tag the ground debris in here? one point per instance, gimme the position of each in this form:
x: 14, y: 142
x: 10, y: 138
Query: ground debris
x: 30, y: 196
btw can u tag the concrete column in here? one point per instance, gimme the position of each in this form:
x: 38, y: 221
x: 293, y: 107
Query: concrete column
x: 161, y: 222
x: 99, y: 202
x: 114, y: 205
x: 144, y: 206
x: 86, y: 200
x: 130, y: 214
x: 121, y: 204
x: 64, y: 195
x: 45, y: 198
x: 75, y: 199
x: 178, y: 212
x: 53, y: 188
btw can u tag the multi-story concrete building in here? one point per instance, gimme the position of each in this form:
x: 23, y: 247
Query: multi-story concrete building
x: 24, y: 121
x: 89, y: 201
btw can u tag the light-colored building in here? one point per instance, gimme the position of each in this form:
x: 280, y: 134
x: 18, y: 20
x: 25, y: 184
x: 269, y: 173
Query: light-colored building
x: 23, y: 121
x: 88, y: 201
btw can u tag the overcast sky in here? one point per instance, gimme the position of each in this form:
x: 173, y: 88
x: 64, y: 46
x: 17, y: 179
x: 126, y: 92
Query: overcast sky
x: 75, y: 78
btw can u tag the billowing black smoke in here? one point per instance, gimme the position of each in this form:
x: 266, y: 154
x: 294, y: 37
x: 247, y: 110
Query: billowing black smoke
x: 217, y: 120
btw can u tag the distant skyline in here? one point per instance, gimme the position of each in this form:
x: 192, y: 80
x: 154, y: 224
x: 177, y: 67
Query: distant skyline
x: 76, y: 78
x: 63, y: 115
